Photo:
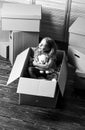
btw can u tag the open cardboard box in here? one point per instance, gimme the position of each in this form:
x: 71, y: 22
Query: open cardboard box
x: 38, y: 92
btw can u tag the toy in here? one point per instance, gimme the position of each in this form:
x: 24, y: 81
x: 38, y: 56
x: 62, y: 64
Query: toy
x: 43, y: 62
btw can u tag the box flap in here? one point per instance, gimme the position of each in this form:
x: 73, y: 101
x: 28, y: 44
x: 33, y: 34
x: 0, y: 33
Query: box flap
x: 38, y: 87
x: 22, y: 11
x: 78, y: 26
x: 63, y: 74
x: 18, y: 66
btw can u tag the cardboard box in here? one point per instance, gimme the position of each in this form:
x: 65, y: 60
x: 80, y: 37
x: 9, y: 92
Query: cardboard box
x: 14, y: 42
x: 23, y: 22
x: 80, y: 49
x: 76, y: 58
x: 79, y: 80
x: 21, y: 17
x: 4, y: 49
x: 77, y: 33
x: 19, y: 41
x: 38, y: 92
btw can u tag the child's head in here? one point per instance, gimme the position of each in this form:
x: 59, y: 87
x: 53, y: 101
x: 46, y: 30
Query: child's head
x: 47, y: 44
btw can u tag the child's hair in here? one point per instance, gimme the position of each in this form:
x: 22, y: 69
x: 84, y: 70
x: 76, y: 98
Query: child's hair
x: 48, y: 43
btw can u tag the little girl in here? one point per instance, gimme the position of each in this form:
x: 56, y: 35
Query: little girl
x: 44, y: 59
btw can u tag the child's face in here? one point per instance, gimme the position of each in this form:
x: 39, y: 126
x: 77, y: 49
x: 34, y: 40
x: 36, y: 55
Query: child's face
x: 42, y: 44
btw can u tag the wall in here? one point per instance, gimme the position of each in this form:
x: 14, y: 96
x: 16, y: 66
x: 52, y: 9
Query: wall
x: 53, y: 18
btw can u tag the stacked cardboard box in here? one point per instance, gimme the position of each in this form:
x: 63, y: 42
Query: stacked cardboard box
x: 24, y: 21
x: 76, y: 48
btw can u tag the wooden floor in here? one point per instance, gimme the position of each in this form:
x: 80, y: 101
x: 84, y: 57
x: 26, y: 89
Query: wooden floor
x: 69, y: 114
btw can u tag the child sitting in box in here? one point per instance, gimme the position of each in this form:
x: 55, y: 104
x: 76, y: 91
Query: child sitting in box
x: 43, y: 63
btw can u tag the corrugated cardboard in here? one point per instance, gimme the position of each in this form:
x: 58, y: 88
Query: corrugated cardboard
x: 21, y: 25
x: 80, y: 49
x: 79, y: 80
x: 76, y: 51
x: 76, y: 58
x: 4, y: 49
x: 38, y: 92
x: 21, y: 11
x: 77, y: 33
x: 20, y: 40
x: 21, y: 17
x: 42, y: 87
x: 78, y: 26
